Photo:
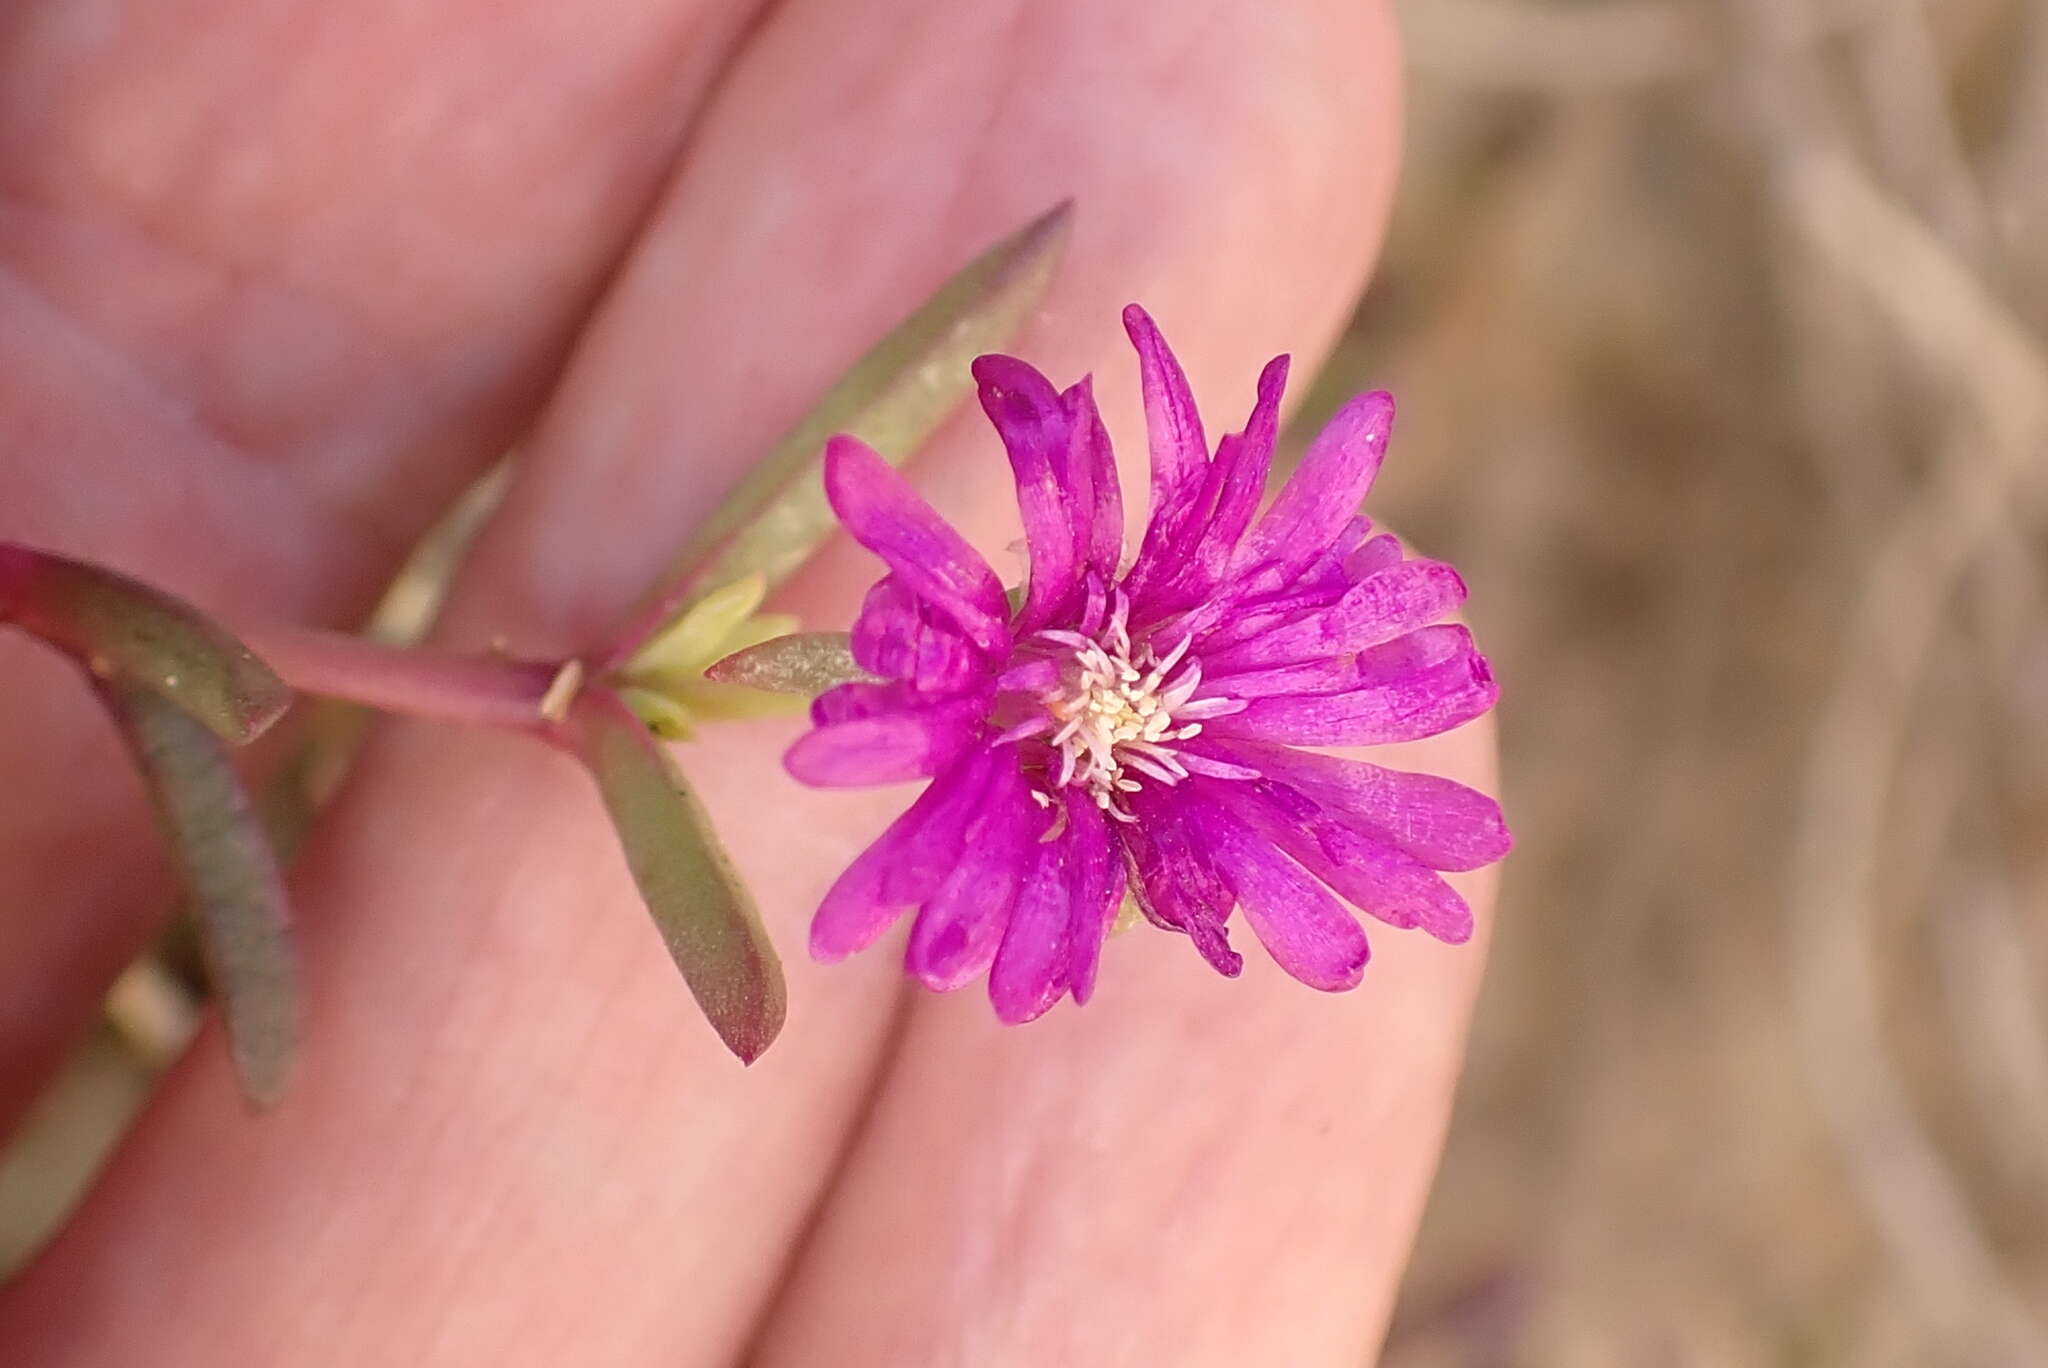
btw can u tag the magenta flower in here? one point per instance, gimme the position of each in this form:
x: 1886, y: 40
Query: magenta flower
x: 1137, y: 726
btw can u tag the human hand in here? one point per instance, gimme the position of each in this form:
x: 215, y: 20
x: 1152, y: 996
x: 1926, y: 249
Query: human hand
x: 281, y: 279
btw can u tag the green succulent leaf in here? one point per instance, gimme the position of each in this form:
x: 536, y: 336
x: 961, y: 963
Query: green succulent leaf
x: 1130, y: 913
x: 893, y: 399
x: 126, y: 631
x: 230, y: 877
x: 703, y: 910
x: 806, y: 663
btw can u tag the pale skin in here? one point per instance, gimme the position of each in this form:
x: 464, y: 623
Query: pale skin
x: 280, y: 277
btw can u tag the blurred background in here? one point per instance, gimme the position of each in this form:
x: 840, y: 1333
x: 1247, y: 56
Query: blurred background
x: 1721, y: 331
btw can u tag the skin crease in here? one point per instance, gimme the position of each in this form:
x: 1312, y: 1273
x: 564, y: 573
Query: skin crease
x: 512, y: 1140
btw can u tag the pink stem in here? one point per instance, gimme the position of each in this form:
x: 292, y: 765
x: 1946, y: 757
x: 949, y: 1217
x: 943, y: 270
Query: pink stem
x: 488, y: 691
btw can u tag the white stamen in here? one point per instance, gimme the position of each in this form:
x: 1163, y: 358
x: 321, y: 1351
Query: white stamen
x: 1183, y: 686
x: 1171, y: 659
x: 1159, y: 756
x: 1205, y: 708
x: 1150, y: 768
x: 1117, y: 711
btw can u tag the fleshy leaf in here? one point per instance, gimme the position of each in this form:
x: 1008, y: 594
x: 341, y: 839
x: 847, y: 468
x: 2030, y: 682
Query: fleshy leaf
x: 696, y: 638
x: 893, y: 399
x: 1129, y: 912
x: 709, y: 702
x: 806, y: 663
x: 230, y: 877
x: 664, y: 716
x: 664, y: 684
x: 124, y: 630
x: 704, y: 912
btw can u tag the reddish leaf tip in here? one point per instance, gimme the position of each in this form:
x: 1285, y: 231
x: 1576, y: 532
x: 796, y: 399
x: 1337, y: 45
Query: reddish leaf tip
x: 1054, y: 223
x: 751, y: 1043
x: 121, y: 628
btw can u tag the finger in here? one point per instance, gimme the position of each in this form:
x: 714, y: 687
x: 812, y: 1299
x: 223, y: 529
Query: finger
x: 1247, y: 198
x: 276, y: 279
x: 510, y: 1114
x: 1188, y: 1171
x: 1192, y: 1170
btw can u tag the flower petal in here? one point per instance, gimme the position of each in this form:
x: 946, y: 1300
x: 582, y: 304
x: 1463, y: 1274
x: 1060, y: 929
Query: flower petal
x: 883, y: 747
x: 1331, y: 674
x: 1421, y: 701
x: 1324, y: 494
x: 898, y: 636
x: 1030, y: 970
x: 1245, y: 459
x: 960, y: 927
x: 885, y: 515
x: 1333, y: 568
x: 1180, y: 453
x: 905, y: 865
x: 1033, y: 422
x: 1372, y: 556
x: 1390, y: 662
x: 1097, y: 869
x: 1377, y: 609
x: 1342, y: 670
x: 853, y: 701
x: 1230, y: 497
x: 1305, y: 929
x: 1370, y: 875
x: 1033, y: 676
x: 1200, y: 762
x: 1091, y: 474
x: 1228, y: 620
x: 1177, y: 886
x: 1438, y: 821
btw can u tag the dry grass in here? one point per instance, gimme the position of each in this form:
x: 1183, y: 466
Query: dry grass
x: 1719, y: 332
